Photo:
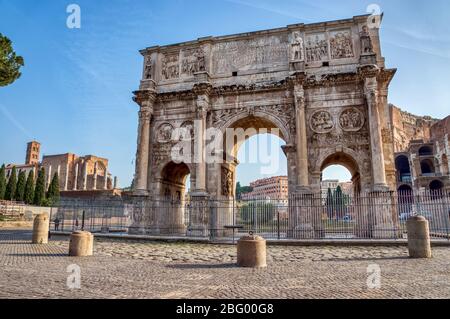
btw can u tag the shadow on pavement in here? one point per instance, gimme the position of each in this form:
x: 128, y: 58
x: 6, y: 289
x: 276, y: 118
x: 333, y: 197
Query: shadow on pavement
x: 203, y: 266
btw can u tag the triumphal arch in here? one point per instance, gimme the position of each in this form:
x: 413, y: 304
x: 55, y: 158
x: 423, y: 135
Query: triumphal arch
x: 322, y: 86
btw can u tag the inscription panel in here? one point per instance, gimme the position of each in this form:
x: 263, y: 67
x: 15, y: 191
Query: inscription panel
x: 253, y: 54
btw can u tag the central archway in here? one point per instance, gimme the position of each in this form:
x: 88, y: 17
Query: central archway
x: 346, y: 160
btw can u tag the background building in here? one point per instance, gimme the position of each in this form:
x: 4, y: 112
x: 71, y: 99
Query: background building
x: 424, y: 163
x: 76, y: 173
x: 275, y: 188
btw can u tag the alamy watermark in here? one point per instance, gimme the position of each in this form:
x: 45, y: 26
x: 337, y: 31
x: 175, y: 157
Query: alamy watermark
x: 374, y: 276
x: 74, y: 19
x: 74, y: 278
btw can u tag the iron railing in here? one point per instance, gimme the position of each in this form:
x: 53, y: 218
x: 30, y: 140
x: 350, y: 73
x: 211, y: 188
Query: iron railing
x: 307, y: 216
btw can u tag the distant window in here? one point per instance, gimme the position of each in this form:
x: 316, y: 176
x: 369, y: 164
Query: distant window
x: 235, y: 73
x: 425, y: 151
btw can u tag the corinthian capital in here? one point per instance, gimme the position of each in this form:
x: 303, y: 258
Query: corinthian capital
x: 202, y: 105
x: 145, y: 98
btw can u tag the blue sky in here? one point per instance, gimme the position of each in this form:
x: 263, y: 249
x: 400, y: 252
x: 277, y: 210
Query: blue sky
x: 75, y: 92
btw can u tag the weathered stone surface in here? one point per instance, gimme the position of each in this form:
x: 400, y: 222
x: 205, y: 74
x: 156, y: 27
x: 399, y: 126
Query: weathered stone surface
x: 308, y: 82
x: 419, y: 243
x: 251, y: 252
x: 41, y: 226
x: 129, y: 269
x: 81, y: 244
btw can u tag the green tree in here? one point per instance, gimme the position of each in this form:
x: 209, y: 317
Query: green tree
x: 10, y: 63
x: 39, y: 191
x: 53, y: 191
x: 11, y: 186
x: 339, y: 202
x: 29, y: 189
x: 330, y: 203
x: 20, y: 188
x: 2, y: 182
x: 242, y: 190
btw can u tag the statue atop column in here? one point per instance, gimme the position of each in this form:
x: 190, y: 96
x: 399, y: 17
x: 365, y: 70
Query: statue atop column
x: 297, y: 47
x: 366, y: 41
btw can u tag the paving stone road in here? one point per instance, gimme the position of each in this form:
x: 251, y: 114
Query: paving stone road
x: 133, y: 269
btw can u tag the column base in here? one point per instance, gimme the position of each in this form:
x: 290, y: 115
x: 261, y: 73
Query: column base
x: 141, y: 193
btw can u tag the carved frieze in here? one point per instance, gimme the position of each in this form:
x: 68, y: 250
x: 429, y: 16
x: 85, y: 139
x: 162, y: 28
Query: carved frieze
x: 341, y: 44
x: 164, y: 133
x: 170, y: 68
x: 227, y: 182
x: 193, y: 61
x: 316, y: 47
x: 351, y: 120
x: 250, y: 54
x: 322, y: 122
x: 187, y: 130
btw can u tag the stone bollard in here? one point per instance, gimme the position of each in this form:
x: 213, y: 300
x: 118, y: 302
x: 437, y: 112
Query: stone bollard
x: 41, y: 226
x: 418, y: 237
x: 81, y: 244
x: 251, y: 252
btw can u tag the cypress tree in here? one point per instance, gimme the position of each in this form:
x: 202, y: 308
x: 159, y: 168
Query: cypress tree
x: 53, y: 191
x: 29, y: 189
x: 20, y: 188
x: 339, y: 201
x: 2, y: 182
x: 39, y: 191
x: 11, y: 186
x: 329, y: 203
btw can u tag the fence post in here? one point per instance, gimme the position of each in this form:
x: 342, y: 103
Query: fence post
x: 278, y: 225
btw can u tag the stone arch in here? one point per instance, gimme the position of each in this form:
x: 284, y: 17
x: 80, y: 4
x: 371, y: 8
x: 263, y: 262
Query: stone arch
x: 251, y: 123
x: 426, y: 150
x: 348, y: 159
x: 427, y: 166
x: 403, y: 168
x: 436, y: 186
x: 172, y: 179
x: 405, y: 199
x: 257, y: 120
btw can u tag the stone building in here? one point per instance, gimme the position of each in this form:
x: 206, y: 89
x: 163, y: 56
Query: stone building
x: 424, y: 163
x: 275, y: 188
x: 76, y: 173
x: 323, y: 87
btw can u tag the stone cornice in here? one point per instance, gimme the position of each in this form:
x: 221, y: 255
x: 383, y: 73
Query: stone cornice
x: 144, y: 98
x: 312, y: 81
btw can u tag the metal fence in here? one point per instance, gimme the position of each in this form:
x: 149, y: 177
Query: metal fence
x: 308, y: 216
x: 10, y: 210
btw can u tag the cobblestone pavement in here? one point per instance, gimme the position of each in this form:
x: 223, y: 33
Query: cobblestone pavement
x: 132, y: 269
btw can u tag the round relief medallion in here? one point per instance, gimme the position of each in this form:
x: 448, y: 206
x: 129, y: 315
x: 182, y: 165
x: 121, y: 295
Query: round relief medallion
x: 351, y: 120
x: 165, y: 133
x: 187, y: 130
x: 322, y: 122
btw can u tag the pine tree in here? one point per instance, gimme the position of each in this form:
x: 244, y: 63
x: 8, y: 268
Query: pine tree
x: 39, y: 191
x: 20, y: 188
x: 53, y: 191
x: 2, y: 182
x: 29, y: 189
x: 11, y: 186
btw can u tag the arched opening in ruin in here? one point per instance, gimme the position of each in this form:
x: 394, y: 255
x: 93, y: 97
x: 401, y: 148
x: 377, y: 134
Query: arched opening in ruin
x: 426, y: 151
x: 174, y: 183
x: 344, y: 165
x: 403, y: 169
x: 427, y: 167
x: 436, y: 186
x: 254, y: 150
